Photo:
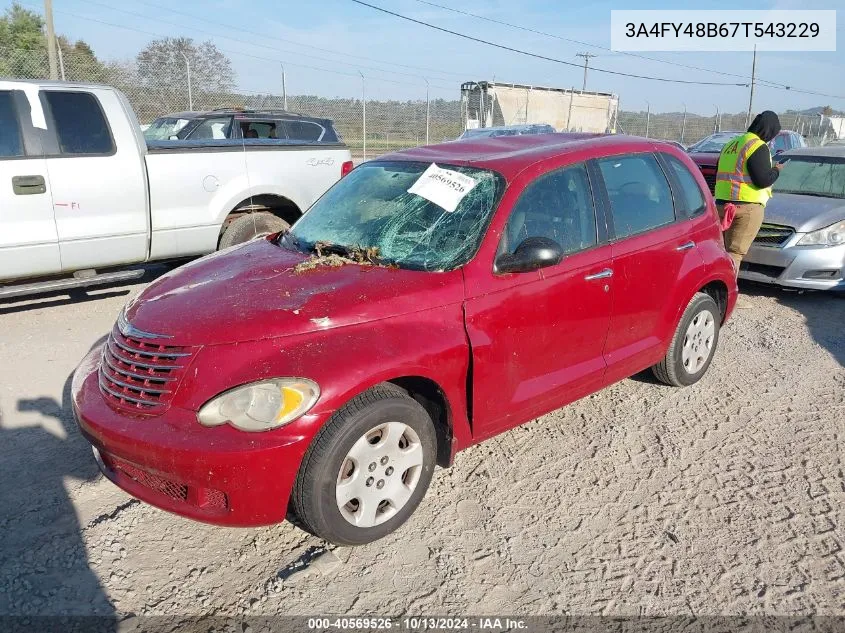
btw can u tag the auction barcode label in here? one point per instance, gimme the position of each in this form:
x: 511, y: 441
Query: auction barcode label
x: 720, y: 31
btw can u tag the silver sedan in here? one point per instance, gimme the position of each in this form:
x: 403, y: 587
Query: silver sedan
x: 802, y: 241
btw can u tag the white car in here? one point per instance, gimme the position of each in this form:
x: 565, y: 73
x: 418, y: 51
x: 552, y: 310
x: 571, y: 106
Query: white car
x: 84, y: 192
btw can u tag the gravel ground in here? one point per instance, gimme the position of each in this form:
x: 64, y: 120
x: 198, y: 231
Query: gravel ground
x: 724, y: 498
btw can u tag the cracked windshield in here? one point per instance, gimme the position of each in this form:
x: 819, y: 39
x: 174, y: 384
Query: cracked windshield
x: 372, y: 209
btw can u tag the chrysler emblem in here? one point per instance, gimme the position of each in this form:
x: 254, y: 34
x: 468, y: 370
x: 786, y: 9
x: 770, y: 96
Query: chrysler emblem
x: 130, y: 331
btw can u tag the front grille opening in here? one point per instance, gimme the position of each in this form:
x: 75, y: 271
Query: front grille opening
x: 773, y: 272
x: 177, y: 492
x: 773, y: 235
x: 138, y: 375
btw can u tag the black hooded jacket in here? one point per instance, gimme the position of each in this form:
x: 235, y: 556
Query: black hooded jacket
x: 766, y: 125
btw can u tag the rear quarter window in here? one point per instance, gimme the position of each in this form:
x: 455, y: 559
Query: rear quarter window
x: 80, y: 123
x: 307, y: 131
x: 692, y: 200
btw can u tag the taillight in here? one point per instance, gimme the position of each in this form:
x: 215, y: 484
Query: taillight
x: 346, y: 168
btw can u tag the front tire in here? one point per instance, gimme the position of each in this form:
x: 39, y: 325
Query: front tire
x: 367, y: 469
x: 693, y: 344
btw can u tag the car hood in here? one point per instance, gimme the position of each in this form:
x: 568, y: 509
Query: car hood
x: 804, y: 213
x: 251, y: 292
x: 705, y: 158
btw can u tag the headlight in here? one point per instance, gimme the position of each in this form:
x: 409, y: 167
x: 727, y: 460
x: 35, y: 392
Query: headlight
x: 832, y: 235
x: 261, y: 406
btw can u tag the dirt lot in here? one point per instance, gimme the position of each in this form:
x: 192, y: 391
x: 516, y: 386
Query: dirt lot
x: 727, y: 497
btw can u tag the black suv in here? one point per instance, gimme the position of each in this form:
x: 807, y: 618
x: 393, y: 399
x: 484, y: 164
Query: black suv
x: 237, y: 124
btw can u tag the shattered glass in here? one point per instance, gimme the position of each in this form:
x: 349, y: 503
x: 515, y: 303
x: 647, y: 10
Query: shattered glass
x: 371, y: 209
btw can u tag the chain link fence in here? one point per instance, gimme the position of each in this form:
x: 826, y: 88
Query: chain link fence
x: 370, y: 127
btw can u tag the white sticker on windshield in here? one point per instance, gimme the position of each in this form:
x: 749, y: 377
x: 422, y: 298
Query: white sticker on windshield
x: 443, y: 187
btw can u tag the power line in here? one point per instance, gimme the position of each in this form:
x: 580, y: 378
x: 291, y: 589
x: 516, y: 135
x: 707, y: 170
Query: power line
x: 318, y: 48
x: 543, y: 57
x: 242, y: 54
x: 257, y: 45
x: 763, y: 82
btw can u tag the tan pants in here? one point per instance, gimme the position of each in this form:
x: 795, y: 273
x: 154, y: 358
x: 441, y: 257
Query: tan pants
x: 740, y: 235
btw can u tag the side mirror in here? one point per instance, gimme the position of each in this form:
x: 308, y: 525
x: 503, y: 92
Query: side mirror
x: 534, y: 253
x: 173, y: 137
x: 780, y: 151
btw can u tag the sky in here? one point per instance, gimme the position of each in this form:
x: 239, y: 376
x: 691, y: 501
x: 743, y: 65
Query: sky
x: 325, y: 45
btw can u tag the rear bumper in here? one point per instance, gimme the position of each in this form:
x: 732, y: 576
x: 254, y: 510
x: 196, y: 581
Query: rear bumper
x: 219, y: 475
x: 791, y: 266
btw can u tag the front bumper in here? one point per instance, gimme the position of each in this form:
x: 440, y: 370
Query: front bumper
x: 215, y: 475
x: 803, y: 267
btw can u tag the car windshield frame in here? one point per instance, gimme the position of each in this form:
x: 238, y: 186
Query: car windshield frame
x: 347, y: 221
x: 789, y: 166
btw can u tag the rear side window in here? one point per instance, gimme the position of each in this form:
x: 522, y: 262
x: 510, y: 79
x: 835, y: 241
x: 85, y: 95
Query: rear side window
x: 80, y: 123
x: 303, y: 131
x: 212, y: 129
x: 558, y: 206
x: 640, y: 198
x: 261, y: 129
x: 10, y: 131
x: 691, y: 197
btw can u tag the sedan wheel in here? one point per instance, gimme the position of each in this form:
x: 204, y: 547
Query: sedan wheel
x: 693, y: 344
x: 698, y: 341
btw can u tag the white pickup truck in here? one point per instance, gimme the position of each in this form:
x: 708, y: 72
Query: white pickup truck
x: 82, y: 193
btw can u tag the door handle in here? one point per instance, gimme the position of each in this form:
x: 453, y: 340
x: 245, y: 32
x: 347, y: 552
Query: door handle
x: 28, y: 185
x: 604, y: 274
x: 685, y: 247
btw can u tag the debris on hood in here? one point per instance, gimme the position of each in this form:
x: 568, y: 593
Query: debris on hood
x: 332, y: 256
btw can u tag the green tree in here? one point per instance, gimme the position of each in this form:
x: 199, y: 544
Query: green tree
x: 163, y: 72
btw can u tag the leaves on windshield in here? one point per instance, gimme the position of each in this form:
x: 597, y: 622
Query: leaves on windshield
x: 324, y: 256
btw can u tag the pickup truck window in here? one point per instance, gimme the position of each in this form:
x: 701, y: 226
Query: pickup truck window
x: 80, y: 124
x: 10, y: 132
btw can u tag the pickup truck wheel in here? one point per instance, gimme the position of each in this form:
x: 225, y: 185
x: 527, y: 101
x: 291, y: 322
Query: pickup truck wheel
x: 250, y: 226
x: 367, y: 469
x: 693, y: 344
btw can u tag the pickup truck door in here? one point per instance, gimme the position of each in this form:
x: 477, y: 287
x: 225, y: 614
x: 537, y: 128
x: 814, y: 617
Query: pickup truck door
x: 98, y: 179
x: 28, y: 240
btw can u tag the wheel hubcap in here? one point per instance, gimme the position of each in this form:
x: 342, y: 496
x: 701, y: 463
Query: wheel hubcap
x: 379, y: 474
x: 698, y: 342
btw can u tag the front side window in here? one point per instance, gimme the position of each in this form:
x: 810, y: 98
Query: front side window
x: 640, y: 198
x: 558, y: 206
x: 261, y: 129
x: 163, y: 128
x: 10, y: 132
x: 691, y: 197
x: 80, y: 123
x: 780, y: 143
x: 212, y: 129
x: 371, y: 208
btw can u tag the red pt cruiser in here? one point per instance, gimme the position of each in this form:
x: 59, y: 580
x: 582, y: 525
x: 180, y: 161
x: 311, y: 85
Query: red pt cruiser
x: 429, y: 300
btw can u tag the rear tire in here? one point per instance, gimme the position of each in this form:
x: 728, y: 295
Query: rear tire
x: 367, y: 469
x: 693, y: 344
x: 250, y: 226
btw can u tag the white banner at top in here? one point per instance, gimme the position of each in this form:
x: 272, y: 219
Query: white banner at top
x: 720, y: 31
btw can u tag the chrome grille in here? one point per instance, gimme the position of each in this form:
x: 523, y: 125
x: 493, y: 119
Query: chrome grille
x: 141, y: 376
x: 773, y: 235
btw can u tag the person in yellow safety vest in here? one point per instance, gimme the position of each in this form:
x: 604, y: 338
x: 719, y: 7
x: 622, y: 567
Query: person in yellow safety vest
x: 744, y: 176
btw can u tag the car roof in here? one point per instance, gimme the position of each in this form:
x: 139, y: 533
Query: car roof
x: 199, y: 114
x: 835, y: 151
x: 509, y: 155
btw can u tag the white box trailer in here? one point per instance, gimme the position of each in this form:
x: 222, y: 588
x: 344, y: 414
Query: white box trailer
x: 491, y: 104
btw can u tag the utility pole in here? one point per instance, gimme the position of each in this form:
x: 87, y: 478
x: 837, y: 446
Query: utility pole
x: 284, y: 90
x: 753, y: 79
x: 647, y: 117
x: 51, y: 40
x: 190, y: 90
x: 586, y: 57
x: 364, y: 110
x: 427, y: 108
x: 61, y: 60
x: 684, y: 124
